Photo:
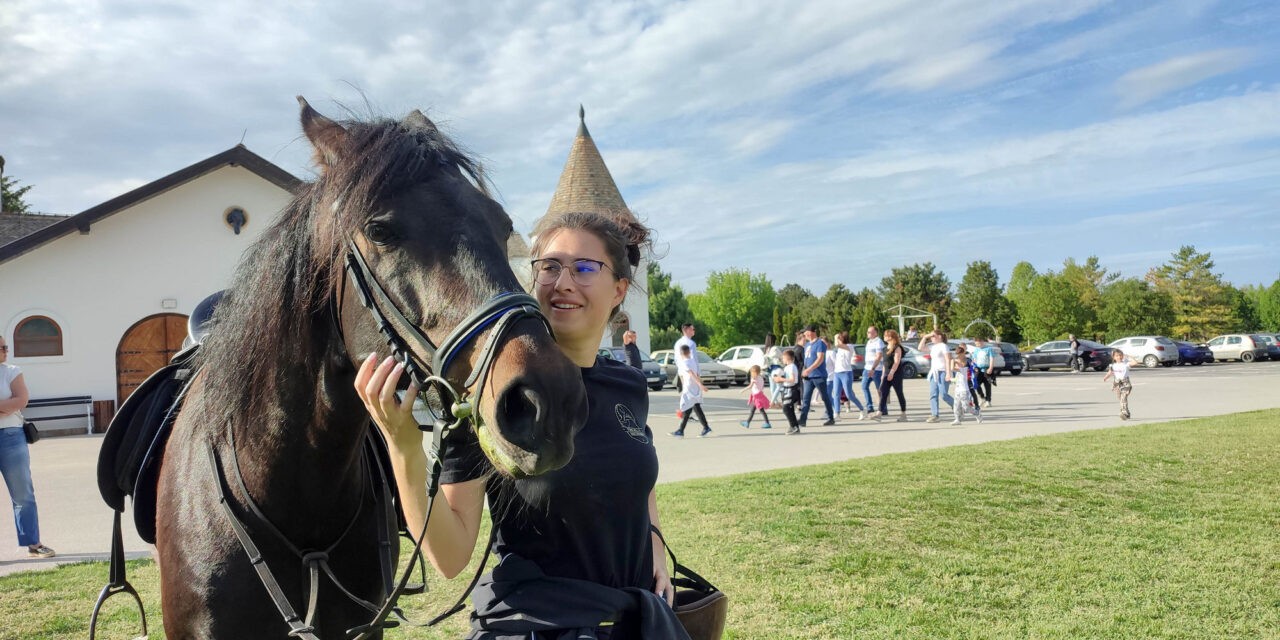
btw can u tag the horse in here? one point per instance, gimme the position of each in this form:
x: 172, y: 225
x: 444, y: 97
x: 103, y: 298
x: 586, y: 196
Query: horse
x: 265, y: 466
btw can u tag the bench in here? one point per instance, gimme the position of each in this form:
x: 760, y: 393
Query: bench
x: 69, y: 415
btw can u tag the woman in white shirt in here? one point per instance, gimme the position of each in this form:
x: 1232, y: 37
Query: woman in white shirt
x: 15, y: 457
x: 843, y: 379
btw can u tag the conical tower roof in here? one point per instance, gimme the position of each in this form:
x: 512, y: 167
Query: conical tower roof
x: 585, y: 183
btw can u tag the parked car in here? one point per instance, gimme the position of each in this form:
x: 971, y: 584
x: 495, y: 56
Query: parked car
x: 1273, y: 346
x: 741, y: 358
x: 1237, y: 346
x: 916, y: 363
x: 712, y: 372
x: 1013, y: 360
x: 969, y: 345
x: 1151, y: 351
x: 1057, y: 353
x: 1193, y: 354
x: 654, y: 374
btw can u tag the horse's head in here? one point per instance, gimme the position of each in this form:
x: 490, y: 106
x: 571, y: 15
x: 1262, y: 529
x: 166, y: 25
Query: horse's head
x: 404, y: 200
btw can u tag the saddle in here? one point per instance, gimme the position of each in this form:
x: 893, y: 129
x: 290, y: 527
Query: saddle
x: 129, y: 459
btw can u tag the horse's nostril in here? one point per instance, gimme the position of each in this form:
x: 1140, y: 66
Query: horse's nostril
x: 520, y: 411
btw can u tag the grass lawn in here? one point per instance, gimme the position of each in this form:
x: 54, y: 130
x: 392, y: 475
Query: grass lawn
x: 1153, y: 531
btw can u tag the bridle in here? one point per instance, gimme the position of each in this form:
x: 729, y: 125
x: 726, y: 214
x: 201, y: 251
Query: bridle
x: 451, y: 406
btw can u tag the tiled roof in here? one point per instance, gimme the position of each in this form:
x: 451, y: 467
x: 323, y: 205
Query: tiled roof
x: 17, y: 225
x: 585, y: 183
x: 238, y: 155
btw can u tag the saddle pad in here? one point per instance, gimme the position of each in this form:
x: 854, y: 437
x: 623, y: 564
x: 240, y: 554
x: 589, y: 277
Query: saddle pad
x: 129, y: 460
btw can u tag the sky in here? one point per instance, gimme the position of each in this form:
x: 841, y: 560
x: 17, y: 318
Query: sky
x: 815, y: 142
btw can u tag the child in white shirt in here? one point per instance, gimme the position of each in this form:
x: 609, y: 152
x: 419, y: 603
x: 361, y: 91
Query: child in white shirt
x: 1118, y: 373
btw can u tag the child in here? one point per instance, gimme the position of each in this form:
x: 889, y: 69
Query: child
x: 789, y: 379
x: 1118, y: 373
x: 691, y: 393
x: 757, y: 399
x: 962, y: 391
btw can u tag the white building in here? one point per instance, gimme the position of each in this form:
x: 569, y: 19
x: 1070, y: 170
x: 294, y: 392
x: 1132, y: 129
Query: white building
x: 96, y: 302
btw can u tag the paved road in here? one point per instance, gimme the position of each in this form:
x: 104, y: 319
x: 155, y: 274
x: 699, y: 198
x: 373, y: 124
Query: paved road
x: 76, y: 523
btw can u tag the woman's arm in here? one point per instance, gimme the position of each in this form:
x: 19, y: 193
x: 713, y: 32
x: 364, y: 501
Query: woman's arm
x: 661, y: 575
x: 20, y: 397
x: 455, y: 515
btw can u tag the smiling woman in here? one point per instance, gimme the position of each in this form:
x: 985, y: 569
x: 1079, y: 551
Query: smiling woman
x: 586, y: 528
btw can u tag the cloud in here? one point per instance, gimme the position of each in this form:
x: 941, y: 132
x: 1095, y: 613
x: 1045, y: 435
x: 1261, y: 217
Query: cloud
x: 1141, y: 86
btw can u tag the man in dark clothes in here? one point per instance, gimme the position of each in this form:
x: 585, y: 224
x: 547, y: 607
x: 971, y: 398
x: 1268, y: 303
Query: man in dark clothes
x: 629, y: 346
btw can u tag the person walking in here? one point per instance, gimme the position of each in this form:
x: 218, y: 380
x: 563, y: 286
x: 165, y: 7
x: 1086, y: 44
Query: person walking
x: 773, y: 363
x: 691, y: 394
x: 1118, y: 373
x: 984, y: 365
x: 962, y: 387
x: 815, y: 376
x: 1075, y: 362
x: 15, y: 457
x: 935, y: 344
x: 686, y: 340
x: 757, y: 399
x: 789, y: 378
x: 894, y: 352
x: 843, y: 358
x: 873, y: 367
x: 632, y: 351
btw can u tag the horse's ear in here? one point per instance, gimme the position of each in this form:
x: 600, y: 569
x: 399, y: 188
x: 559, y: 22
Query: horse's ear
x: 327, y: 137
x: 417, y: 120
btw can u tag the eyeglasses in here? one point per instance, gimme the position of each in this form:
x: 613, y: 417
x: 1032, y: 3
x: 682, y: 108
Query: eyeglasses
x: 4, y: 347
x: 583, y: 271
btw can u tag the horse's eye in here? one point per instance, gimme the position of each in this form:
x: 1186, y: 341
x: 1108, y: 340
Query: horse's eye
x: 379, y: 233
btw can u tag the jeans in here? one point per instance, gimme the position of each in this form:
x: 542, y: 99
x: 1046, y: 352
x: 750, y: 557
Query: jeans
x: 821, y: 385
x: 844, y: 381
x: 938, y: 387
x: 871, y: 379
x: 15, y: 464
x: 775, y: 387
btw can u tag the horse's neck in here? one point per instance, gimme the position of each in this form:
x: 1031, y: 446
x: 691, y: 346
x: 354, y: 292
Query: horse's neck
x: 304, y: 457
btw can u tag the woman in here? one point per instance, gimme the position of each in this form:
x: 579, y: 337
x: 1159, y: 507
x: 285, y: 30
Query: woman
x: 772, y: 363
x: 15, y: 457
x: 842, y: 380
x: 892, y: 358
x: 588, y: 522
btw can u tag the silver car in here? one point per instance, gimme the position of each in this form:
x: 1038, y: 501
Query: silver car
x: 1237, y: 346
x: 712, y: 372
x: 1151, y: 351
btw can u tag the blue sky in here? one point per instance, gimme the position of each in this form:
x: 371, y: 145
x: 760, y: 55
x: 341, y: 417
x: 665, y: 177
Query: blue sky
x: 816, y: 142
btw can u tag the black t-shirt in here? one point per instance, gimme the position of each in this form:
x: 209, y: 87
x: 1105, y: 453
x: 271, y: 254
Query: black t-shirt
x: 590, y: 519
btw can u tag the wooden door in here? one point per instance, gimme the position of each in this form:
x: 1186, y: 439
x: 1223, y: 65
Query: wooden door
x: 145, y: 347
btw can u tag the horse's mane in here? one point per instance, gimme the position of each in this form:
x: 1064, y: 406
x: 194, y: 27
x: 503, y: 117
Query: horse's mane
x: 273, y: 326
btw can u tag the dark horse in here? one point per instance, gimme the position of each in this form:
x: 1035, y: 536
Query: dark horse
x: 274, y: 401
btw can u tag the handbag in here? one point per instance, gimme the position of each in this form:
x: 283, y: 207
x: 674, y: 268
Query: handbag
x: 33, y: 434
x: 700, y: 607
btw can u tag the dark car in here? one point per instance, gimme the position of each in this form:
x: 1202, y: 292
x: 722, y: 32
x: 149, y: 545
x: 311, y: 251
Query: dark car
x: 1194, y: 354
x: 1013, y: 361
x: 1057, y: 353
x: 1269, y: 341
x: 654, y: 375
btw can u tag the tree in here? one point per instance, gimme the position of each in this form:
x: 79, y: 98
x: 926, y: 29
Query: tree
x: 12, y: 196
x: 1088, y: 279
x: 1201, y: 303
x: 1267, y: 302
x: 920, y: 286
x: 977, y: 296
x: 796, y: 309
x: 736, y: 308
x: 834, y: 310
x: 1245, y: 310
x: 1051, y: 309
x: 668, y: 308
x: 1133, y: 307
x: 867, y: 313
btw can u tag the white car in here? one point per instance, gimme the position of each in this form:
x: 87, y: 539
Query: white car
x: 1151, y: 351
x: 741, y: 358
x: 712, y: 372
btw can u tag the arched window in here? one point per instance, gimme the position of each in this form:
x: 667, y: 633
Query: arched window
x: 37, y: 336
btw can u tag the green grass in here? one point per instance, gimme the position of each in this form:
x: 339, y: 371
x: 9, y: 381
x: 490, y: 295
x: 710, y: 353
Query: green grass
x: 1154, y: 531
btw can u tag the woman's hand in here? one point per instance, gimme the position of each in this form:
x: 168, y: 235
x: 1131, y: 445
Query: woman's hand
x: 662, y: 586
x: 376, y: 386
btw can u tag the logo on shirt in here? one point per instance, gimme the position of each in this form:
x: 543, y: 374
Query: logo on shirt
x: 629, y: 424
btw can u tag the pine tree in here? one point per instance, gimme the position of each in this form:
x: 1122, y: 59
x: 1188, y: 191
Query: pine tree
x: 1202, y: 305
